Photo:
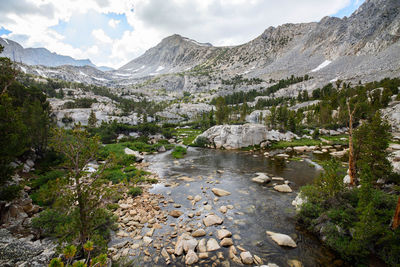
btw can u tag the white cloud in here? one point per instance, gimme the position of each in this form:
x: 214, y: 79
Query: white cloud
x: 220, y: 22
x: 101, y: 36
x: 113, y: 23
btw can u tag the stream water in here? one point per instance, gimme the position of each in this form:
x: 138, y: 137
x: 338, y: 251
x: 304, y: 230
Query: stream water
x: 257, y: 208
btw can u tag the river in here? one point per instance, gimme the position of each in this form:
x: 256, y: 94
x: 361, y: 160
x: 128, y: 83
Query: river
x: 256, y: 208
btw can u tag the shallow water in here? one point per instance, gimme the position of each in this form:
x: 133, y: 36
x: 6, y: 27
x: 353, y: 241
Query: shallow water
x: 257, y: 208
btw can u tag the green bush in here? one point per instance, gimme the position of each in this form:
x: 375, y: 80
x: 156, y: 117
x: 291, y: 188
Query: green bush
x: 201, y: 141
x: 114, y: 175
x: 112, y: 206
x: 44, y: 178
x: 8, y: 193
x: 135, y: 191
x: 179, y: 152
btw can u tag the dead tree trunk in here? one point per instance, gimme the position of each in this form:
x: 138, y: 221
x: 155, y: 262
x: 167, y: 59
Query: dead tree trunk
x: 396, y: 218
x: 352, y: 163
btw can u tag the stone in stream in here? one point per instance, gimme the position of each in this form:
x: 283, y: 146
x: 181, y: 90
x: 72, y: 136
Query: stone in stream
x: 246, y: 258
x: 212, y: 219
x: 199, y: 233
x: 147, y: 240
x: 220, y: 192
x: 189, y: 243
x: 283, y: 188
x: 226, y: 242
x: 261, y: 178
x: 232, y: 252
x: 257, y: 260
x: 294, y: 263
x: 223, y: 209
x: 222, y: 233
x: 197, y: 198
x: 212, y: 245
x: 191, y: 258
x: 201, y: 247
x: 208, y: 207
x: 175, y: 213
x: 282, y: 239
x: 203, y: 255
x: 165, y: 254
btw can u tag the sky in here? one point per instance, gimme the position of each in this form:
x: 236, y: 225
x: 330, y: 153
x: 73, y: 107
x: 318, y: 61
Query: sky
x: 113, y: 32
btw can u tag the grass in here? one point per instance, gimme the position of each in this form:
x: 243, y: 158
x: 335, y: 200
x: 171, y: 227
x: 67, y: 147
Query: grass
x: 179, y: 152
x: 310, y: 142
x: 189, y: 135
x: 299, y: 142
x: 135, y: 191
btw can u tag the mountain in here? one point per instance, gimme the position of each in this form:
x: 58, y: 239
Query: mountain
x: 173, y: 54
x: 363, y: 46
x: 38, y: 56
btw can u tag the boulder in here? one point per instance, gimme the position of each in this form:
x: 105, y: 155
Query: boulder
x: 201, y: 246
x: 261, y: 178
x: 137, y: 155
x: 238, y: 136
x: 282, y: 239
x: 212, y: 219
x: 191, y: 258
x: 283, y: 188
x: 199, y: 233
x: 220, y: 192
x: 226, y: 242
x: 175, y: 213
x: 246, y: 257
x: 222, y: 233
x: 147, y: 240
x: 161, y: 149
x: 212, y: 245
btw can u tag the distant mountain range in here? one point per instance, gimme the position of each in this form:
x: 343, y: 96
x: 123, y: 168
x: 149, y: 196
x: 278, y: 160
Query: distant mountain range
x: 364, y: 46
x: 39, y: 56
x: 366, y: 43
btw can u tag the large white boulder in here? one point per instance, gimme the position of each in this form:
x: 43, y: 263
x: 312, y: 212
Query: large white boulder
x: 238, y: 136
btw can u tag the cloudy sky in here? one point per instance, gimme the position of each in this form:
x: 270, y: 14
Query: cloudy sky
x: 113, y: 32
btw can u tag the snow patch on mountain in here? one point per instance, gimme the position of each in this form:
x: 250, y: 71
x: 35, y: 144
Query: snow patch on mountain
x: 322, y: 65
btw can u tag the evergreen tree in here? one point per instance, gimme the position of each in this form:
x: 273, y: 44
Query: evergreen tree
x: 92, y: 121
x: 222, y: 110
x: 370, y: 142
x: 80, y: 197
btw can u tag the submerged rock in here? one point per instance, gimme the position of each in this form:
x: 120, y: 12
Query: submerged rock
x: 220, y: 192
x: 191, y: 258
x: 246, y: 258
x: 212, y: 219
x: 282, y: 239
x: 212, y: 245
x: 284, y: 188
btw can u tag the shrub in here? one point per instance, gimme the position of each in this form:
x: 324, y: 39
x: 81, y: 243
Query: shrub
x: 46, y: 177
x: 201, y: 141
x: 179, y: 152
x: 11, y: 192
x: 135, y: 191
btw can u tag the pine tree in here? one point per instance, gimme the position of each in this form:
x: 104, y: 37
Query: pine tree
x: 92, y: 121
x: 222, y: 110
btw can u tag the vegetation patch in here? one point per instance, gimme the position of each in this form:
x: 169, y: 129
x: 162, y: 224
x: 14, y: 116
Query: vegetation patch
x: 179, y: 152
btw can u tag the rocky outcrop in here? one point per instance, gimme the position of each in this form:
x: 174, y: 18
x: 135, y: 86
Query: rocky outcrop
x: 23, y: 252
x: 238, y: 136
x: 392, y: 114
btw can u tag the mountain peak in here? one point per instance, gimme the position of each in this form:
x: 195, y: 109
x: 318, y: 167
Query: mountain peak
x: 38, y: 56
